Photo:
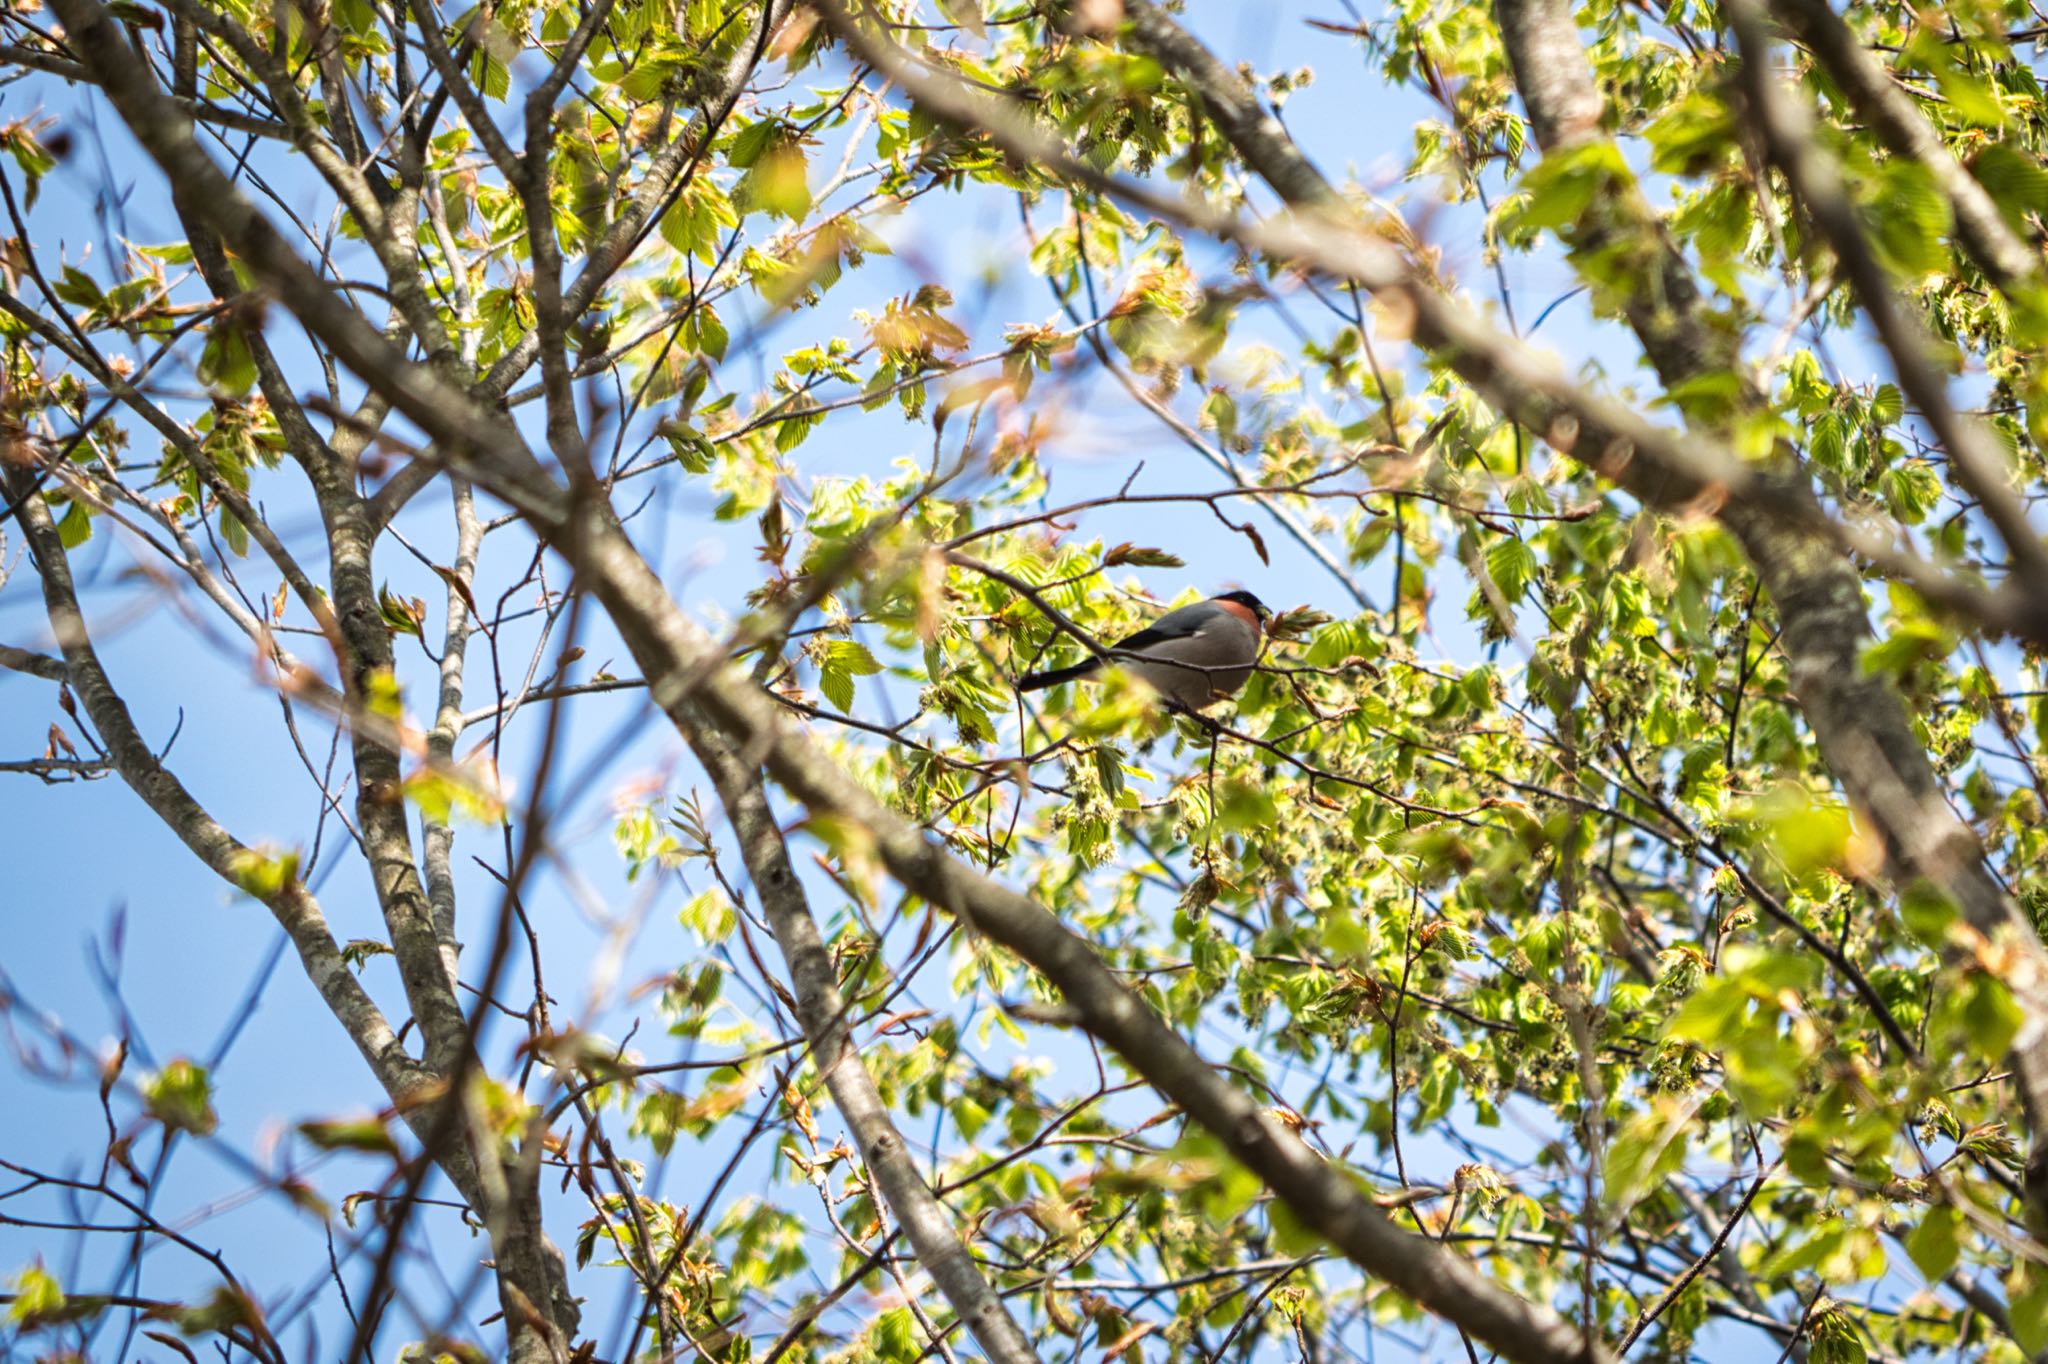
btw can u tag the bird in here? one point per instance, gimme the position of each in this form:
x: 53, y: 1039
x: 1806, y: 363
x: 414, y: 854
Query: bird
x: 1194, y: 657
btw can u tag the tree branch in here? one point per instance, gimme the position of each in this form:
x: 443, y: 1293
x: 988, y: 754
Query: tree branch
x: 291, y: 904
x: 1895, y: 116
x: 822, y: 1011
x: 34, y: 664
x: 1974, y: 453
x: 694, y: 685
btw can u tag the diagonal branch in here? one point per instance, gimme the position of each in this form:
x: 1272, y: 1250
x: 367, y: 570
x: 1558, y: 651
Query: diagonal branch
x: 32, y: 663
x: 204, y: 194
x: 293, y: 906
x: 1895, y: 116
x: 822, y: 1011
x: 205, y: 111
x: 1816, y: 180
x: 1858, y: 716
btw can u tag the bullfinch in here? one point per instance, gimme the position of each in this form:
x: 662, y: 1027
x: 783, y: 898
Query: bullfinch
x: 1194, y: 657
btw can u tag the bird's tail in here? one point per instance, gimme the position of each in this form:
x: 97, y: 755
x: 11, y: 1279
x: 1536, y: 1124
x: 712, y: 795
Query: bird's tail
x: 1040, y: 681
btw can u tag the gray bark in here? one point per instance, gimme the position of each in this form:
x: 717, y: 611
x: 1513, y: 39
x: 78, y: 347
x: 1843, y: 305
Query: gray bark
x: 822, y: 1010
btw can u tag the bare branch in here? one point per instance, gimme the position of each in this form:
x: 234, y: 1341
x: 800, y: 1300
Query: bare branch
x: 403, y: 1078
x: 34, y: 664
x: 12, y: 54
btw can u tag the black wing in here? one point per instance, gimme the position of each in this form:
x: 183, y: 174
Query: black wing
x: 1146, y: 638
x: 1181, y: 624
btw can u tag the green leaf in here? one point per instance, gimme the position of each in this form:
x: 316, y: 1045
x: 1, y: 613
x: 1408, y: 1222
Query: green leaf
x: 181, y: 1098
x: 1843, y: 1348
x: 1804, y: 1253
x: 1911, y: 489
x: 1712, y: 1014
x: 1806, y: 832
x: 30, y: 155
x: 700, y: 215
x: 1990, y: 1015
x: 1246, y: 806
x: 1907, y: 217
x: 1291, y: 1235
x: 402, y: 615
x: 1649, y: 1148
x: 444, y: 796
x: 895, y: 1336
x: 837, y: 684
x: 2016, y: 181
x: 79, y: 289
x: 1719, y: 221
x: 226, y: 364
x: 37, y: 1295
x: 1974, y: 100
x: 1708, y: 395
x: 74, y: 528
x: 1926, y: 912
x: 1512, y: 565
x: 350, y: 1134
x: 1695, y: 137
x: 1936, y: 1244
x: 692, y: 449
x: 234, y: 533
x: 264, y: 871
x: 488, y: 69
x: 1910, y: 642
x: 2027, y: 1303
x: 705, y: 333
x: 965, y: 13
x: 849, y: 655
x: 709, y: 915
x: 969, y: 1116
x: 778, y: 183
x: 1566, y: 183
x: 1345, y: 937
x: 750, y: 142
x: 839, y: 662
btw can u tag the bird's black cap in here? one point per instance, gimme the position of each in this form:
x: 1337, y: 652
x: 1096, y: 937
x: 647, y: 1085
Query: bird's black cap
x: 1258, y: 608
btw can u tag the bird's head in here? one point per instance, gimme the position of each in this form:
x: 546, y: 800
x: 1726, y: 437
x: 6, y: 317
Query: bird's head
x: 1250, y: 603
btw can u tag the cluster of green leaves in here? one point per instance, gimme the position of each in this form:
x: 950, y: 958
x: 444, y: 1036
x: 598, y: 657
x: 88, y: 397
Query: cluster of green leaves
x: 1607, y: 873
x: 1532, y: 886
